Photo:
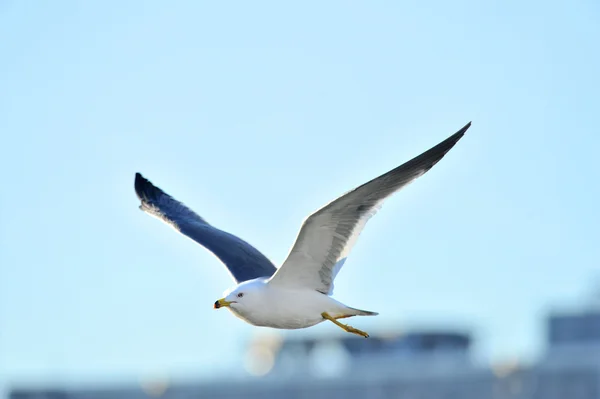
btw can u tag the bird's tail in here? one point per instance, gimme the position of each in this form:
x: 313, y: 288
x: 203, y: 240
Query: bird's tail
x: 360, y: 312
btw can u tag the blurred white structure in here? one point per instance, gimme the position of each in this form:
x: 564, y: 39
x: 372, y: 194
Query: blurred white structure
x: 350, y: 356
x: 416, y: 365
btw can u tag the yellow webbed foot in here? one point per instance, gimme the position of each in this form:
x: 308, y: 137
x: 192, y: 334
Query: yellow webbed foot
x: 356, y: 331
x: 346, y: 327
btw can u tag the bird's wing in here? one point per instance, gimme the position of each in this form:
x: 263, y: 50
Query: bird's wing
x: 243, y: 261
x: 327, y: 236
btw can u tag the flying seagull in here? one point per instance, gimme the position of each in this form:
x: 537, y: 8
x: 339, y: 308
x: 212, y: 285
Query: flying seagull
x: 297, y: 294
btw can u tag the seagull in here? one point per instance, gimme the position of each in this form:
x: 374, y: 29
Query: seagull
x: 298, y: 294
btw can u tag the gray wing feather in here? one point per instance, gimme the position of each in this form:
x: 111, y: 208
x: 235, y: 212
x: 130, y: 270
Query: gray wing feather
x: 243, y: 261
x: 327, y: 236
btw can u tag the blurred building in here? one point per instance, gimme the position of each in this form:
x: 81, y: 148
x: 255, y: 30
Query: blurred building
x: 415, y: 365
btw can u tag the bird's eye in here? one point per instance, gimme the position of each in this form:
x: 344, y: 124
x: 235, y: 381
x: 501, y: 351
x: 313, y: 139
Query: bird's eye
x: 240, y: 295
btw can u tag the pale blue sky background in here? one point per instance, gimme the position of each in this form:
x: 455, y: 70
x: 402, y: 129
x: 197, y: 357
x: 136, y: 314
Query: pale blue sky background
x: 256, y: 114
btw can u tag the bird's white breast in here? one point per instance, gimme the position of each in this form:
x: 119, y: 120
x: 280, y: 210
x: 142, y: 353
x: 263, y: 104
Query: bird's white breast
x: 277, y: 307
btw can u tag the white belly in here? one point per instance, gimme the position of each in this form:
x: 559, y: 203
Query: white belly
x: 289, y: 309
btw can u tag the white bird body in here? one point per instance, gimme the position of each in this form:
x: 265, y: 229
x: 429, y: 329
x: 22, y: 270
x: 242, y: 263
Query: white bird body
x: 268, y: 305
x: 297, y: 294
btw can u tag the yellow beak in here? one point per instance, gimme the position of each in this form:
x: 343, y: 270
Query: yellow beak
x: 221, y: 302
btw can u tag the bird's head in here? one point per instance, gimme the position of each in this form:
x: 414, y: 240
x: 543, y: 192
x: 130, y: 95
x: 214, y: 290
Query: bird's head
x: 243, y: 295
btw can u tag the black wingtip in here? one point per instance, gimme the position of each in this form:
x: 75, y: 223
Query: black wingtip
x: 432, y: 156
x: 140, y: 182
x: 139, y: 178
x: 452, y: 140
x: 145, y: 190
x: 447, y: 144
x: 462, y: 131
x: 138, y: 185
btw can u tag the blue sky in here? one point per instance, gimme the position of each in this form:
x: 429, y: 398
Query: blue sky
x: 256, y: 114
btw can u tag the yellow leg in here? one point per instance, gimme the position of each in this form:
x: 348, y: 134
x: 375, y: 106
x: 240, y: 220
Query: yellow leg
x: 347, y: 328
